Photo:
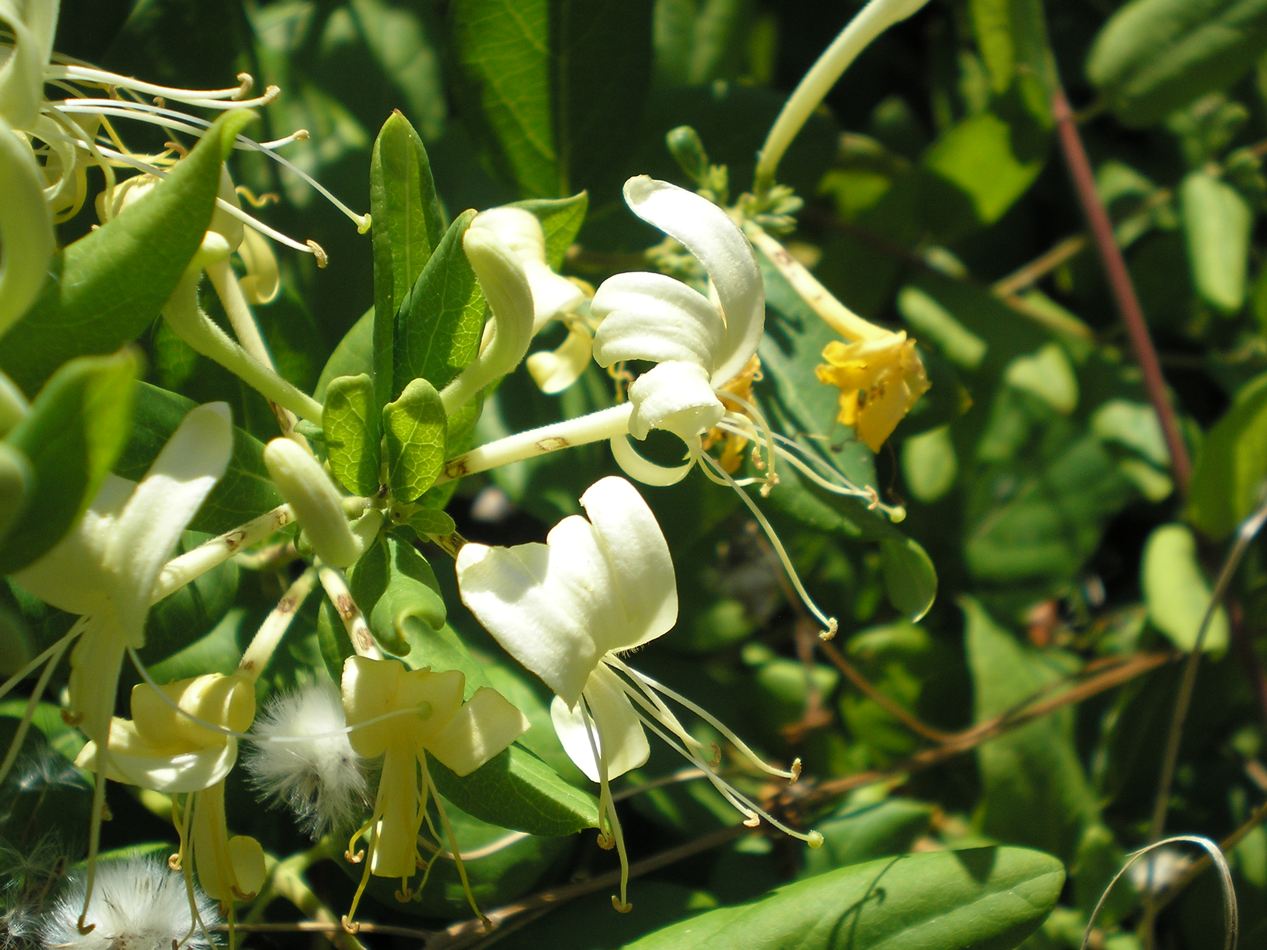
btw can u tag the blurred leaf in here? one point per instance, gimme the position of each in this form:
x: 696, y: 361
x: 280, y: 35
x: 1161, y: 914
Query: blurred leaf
x: 1216, y: 227
x: 517, y: 790
x: 397, y: 592
x: 105, y: 288
x: 15, y: 482
x: 1230, y: 474
x: 910, y: 579
x: 1177, y: 592
x: 244, y: 492
x: 589, y: 924
x: 74, y: 432
x: 414, y: 433
x: 984, y: 898
x: 438, y: 324
x: 408, y: 225
x: 1035, y: 792
x: 350, y: 421
x: 1012, y: 35
x: 979, y: 167
x: 699, y: 41
x: 1154, y: 56
x: 551, y: 121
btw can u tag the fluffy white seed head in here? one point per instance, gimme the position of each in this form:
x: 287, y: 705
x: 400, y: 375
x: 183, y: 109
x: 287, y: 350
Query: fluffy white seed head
x: 301, y: 758
x: 137, y: 904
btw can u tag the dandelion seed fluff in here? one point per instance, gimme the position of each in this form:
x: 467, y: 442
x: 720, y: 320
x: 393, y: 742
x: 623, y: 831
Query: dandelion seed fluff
x: 137, y: 904
x: 301, y: 758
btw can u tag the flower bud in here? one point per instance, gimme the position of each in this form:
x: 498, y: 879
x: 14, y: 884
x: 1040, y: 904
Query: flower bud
x: 316, y: 502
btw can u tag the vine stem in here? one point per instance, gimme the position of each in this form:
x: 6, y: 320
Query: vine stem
x: 1120, y: 285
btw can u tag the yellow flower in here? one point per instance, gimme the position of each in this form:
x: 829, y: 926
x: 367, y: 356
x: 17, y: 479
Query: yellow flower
x: 879, y: 378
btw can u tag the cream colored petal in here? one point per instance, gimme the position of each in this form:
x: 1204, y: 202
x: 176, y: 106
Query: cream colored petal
x: 26, y: 229
x: 620, y: 739
x: 482, y: 728
x: 709, y: 233
x: 146, y: 531
x: 675, y: 397
x: 656, y: 318
x: 262, y: 281
x: 630, y: 539
x: 137, y: 763
x: 556, y: 371
x: 643, y: 470
x: 542, y: 602
x: 509, y: 298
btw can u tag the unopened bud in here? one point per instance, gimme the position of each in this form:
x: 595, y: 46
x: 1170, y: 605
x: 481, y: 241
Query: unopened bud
x: 316, y: 502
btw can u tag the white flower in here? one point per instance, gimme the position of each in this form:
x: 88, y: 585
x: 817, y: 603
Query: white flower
x: 566, y: 609
x: 698, y: 344
x: 137, y: 904
x: 554, y: 298
x: 300, y: 756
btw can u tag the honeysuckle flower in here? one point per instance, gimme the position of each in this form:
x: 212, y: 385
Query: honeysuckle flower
x: 880, y: 378
x: 401, y: 715
x: 509, y: 330
x: 300, y: 755
x: 182, y: 738
x: 566, y: 610
x: 316, y: 501
x: 555, y: 298
x: 109, y: 567
x: 137, y: 903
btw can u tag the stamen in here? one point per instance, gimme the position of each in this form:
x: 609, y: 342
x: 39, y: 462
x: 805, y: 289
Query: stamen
x: 449, y: 836
x: 607, y: 810
x: 646, y: 683
x: 28, y: 714
x: 829, y: 623
x: 231, y: 98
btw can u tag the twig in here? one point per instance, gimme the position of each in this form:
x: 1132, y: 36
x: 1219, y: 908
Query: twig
x: 889, y: 705
x: 1120, y: 285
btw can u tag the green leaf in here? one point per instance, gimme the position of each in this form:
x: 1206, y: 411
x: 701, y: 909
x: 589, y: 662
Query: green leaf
x: 354, y: 354
x: 1176, y: 591
x: 430, y: 522
x: 984, y: 898
x: 517, y: 790
x: 1035, y: 791
x: 408, y: 224
x: 858, y: 833
x: 1155, y: 56
x: 76, y: 428
x: 438, y: 325
x: 1230, y: 473
x: 561, y: 220
x: 350, y: 421
x: 414, y: 430
x: 551, y: 120
x: 1216, y: 229
x: 106, y: 287
x: 397, y: 591
x: 909, y: 576
x: 244, y: 491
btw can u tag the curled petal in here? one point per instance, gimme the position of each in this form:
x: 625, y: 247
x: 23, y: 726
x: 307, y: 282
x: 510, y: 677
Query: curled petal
x: 677, y: 398
x: 520, y: 232
x: 556, y: 371
x: 374, y: 688
x: 709, y: 233
x: 133, y: 760
x: 509, y: 297
x: 644, y: 470
x: 621, y: 740
x: 32, y: 23
x: 654, y: 317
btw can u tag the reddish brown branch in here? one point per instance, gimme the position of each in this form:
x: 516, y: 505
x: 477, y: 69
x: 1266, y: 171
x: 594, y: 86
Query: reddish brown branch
x: 1120, y: 285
